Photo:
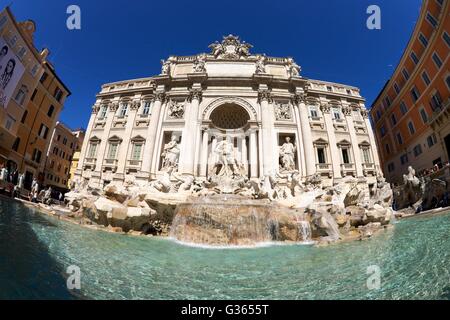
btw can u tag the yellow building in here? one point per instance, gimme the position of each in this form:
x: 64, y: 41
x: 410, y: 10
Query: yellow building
x: 76, y: 156
x: 31, y: 100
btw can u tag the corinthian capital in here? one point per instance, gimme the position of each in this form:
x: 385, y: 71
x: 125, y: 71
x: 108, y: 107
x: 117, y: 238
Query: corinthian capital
x: 195, y: 93
x: 135, y: 105
x: 95, y: 109
x: 298, y: 98
x: 364, y: 113
x: 114, y: 106
x: 325, y: 108
x: 160, y: 96
x: 347, y: 111
x: 264, y: 94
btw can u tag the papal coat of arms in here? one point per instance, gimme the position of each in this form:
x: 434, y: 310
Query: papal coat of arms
x: 230, y: 48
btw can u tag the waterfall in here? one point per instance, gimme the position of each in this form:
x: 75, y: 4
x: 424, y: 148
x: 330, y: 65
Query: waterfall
x: 304, y: 230
x: 274, y: 229
x: 224, y: 220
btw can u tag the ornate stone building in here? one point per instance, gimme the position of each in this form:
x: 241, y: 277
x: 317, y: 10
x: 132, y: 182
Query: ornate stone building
x: 227, y: 113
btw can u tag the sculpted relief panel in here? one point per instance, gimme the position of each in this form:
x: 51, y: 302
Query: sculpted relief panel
x: 175, y: 109
x: 283, y: 111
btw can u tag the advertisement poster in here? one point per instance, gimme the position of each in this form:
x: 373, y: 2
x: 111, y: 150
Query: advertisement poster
x: 11, y: 70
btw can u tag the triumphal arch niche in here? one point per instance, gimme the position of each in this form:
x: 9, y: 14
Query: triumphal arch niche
x: 228, y: 114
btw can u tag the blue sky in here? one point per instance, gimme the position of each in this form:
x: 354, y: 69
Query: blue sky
x: 122, y: 40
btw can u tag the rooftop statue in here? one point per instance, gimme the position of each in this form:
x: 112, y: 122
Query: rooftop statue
x: 293, y: 68
x: 260, y: 64
x: 230, y: 48
x: 199, y: 65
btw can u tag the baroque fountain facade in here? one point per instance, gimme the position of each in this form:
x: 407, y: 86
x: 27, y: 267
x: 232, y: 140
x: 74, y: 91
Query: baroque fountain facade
x: 232, y: 147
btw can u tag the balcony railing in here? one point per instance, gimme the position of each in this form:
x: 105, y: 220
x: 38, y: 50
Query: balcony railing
x: 324, y: 168
x: 91, y: 160
x: 89, y: 163
x: 347, y: 168
x: 439, y: 110
x: 110, y: 164
x: 110, y: 161
x: 133, y: 164
x: 368, y: 167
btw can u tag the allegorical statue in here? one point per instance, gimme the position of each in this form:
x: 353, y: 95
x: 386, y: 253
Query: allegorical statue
x: 171, y: 153
x: 244, y: 49
x: 293, y: 68
x: 165, y: 69
x: 200, y: 62
x: 216, y: 48
x: 411, y: 178
x: 225, y: 157
x: 260, y: 67
x: 287, y: 155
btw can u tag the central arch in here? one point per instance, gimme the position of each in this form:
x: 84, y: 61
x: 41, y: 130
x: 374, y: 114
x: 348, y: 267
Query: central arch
x: 251, y: 112
x: 229, y: 116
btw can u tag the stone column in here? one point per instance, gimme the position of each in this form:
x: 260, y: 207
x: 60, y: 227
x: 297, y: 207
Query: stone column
x: 150, y: 142
x: 260, y: 153
x: 198, y: 148
x: 85, y: 146
x: 156, y: 156
x: 213, y: 147
x: 299, y: 141
x: 244, y: 159
x: 125, y: 147
x: 204, y: 154
x: 335, y: 156
x: 190, y: 133
x: 307, y: 136
x: 264, y: 97
x: 372, y: 141
x: 353, y: 140
x: 253, y: 154
x: 102, y: 149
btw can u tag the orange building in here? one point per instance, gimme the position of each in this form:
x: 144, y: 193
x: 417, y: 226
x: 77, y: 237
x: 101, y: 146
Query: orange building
x: 411, y: 115
x: 63, y: 145
x: 30, y: 102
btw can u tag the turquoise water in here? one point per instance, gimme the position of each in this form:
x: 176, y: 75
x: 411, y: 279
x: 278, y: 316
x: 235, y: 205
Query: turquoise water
x: 35, y: 251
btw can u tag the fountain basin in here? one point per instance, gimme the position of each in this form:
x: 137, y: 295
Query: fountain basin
x: 223, y: 220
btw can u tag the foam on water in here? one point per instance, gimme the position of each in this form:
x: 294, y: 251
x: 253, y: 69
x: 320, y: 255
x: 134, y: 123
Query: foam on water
x: 236, y: 247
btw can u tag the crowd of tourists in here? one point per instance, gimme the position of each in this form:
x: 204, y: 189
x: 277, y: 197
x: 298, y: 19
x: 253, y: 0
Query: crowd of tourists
x: 12, y: 184
x: 435, y: 168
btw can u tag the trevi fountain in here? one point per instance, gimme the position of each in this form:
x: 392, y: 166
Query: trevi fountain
x: 230, y: 176
x: 232, y: 148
